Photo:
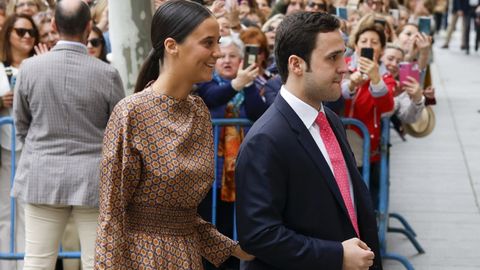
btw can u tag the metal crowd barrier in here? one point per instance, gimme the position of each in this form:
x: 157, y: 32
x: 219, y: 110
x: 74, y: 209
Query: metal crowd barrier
x: 217, y: 124
x: 12, y: 255
x: 366, y: 146
x: 383, y: 212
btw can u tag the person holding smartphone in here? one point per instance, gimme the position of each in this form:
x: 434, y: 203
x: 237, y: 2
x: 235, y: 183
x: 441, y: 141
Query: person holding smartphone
x: 417, y: 46
x: 368, y: 94
x: 409, y: 99
x: 232, y: 93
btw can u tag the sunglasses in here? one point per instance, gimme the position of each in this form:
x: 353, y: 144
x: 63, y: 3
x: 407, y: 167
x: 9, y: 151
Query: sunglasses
x: 95, y: 42
x: 21, y: 32
x: 318, y: 5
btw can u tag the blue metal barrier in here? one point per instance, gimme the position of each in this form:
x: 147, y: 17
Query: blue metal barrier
x: 217, y: 124
x: 383, y: 214
x: 366, y: 146
x: 12, y: 255
x: 9, y: 121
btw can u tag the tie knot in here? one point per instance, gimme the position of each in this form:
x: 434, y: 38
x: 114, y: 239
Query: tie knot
x: 321, y: 120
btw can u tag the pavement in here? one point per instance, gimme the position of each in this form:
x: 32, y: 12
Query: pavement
x: 435, y: 181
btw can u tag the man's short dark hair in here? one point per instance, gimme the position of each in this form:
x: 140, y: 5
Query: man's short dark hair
x: 297, y: 35
x: 72, y: 21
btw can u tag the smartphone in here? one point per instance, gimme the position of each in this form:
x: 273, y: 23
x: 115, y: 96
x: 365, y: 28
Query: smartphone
x: 395, y: 13
x: 424, y: 25
x: 251, y: 54
x: 367, y: 53
x: 407, y: 69
x: 341, y: 12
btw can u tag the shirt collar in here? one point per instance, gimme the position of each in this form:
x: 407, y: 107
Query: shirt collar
x: 307, y: 113
x: 68, y: 42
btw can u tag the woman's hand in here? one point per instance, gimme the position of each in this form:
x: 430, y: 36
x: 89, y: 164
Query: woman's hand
x: 370, y: 68
x: 41, y: 48
x: 412, y: 87
x: 7, y: 99
x: 356, y: 80
x: 244, y: 76
x: 218, y: 8
x: 429, y: 92
x: 242, y: 255
x: 423, y: 42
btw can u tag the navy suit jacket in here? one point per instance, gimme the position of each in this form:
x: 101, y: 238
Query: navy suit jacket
x: 290, y: 212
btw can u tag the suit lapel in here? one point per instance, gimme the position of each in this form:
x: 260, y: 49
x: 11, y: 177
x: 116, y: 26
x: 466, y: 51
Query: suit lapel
x: 311, y: 147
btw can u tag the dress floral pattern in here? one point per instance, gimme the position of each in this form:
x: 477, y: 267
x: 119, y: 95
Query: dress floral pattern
x: 158, y: 164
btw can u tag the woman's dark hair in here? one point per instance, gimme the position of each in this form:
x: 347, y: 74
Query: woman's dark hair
x: 103, y: 53
x: 174, y: 19
x: 297, y: 35
x: 5, y: 46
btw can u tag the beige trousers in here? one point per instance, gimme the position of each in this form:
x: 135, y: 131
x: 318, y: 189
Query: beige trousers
x: 44, y: 228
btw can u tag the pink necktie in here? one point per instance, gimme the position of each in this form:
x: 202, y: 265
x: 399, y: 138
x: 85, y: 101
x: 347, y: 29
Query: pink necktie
x: 338, y: 163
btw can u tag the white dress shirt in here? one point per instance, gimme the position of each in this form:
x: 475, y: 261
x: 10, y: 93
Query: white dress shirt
x: 308, y: 114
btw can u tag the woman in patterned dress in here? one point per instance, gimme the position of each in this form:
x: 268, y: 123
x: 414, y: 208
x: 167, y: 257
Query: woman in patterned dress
x: 158, y: 160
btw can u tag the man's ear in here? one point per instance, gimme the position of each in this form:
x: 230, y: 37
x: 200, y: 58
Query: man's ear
x: 171, y: 46
x: 296, y: 65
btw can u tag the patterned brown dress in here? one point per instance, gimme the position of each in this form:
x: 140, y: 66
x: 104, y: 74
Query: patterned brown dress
x: 157, y: 166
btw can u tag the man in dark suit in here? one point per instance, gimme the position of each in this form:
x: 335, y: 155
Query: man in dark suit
x: 301, y: 203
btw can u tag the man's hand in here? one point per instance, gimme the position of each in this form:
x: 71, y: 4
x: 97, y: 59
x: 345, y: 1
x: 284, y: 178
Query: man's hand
x: 356, y: 255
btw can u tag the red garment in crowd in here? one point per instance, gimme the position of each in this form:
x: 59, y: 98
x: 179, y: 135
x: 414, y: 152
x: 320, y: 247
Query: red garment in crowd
x: 368, y: 110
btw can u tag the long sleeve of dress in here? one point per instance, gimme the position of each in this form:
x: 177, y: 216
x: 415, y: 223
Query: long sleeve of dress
x: 214, y: 246
x: 120, y: 172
